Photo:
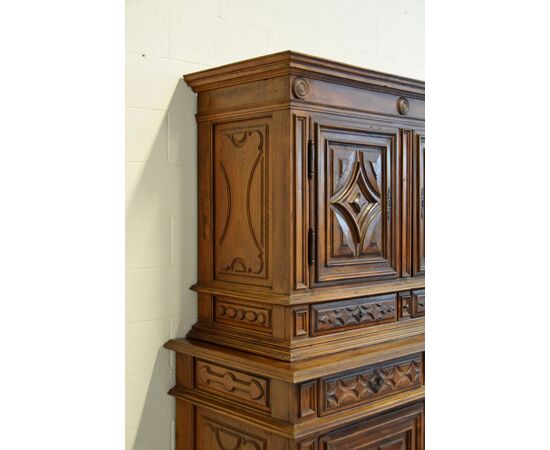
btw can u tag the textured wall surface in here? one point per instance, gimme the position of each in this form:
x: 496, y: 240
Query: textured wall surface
x: 164, y: 40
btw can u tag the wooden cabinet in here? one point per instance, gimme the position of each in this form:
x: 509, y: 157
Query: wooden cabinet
x: 311, y: 300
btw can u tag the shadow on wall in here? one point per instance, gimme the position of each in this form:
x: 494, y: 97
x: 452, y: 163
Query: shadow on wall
x: 161, y: 263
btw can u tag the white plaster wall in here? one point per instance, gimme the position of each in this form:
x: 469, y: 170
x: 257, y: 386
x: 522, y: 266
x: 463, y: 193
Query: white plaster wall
x: 164, y: 40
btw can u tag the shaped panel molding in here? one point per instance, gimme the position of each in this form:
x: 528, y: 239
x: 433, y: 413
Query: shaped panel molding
x: 231, y: 383
x: 241, y: 202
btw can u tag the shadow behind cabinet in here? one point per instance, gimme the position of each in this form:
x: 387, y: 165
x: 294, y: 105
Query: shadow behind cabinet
x: 310, y: 331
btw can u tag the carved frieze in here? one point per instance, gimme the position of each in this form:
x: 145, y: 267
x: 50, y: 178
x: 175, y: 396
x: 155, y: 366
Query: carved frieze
x: 335, y: 316
x: 365, y: 385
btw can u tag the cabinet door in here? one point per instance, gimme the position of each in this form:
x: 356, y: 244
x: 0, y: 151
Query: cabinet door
x: 356, y: 197
x: 400, y: 430
x: 418, y: 200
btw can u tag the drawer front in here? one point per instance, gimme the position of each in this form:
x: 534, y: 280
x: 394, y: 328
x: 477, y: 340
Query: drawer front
x: 355, y: 313
x: 232, y: 384
x: 399, y: 430
x: 369, y: 383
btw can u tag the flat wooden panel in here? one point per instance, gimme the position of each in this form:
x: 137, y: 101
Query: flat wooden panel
x: 399, y: 430
x: 356, y: 199
x: 301, y: 321
x: 418, y: 303
x: 308, y: 400
x: 350, y: 314
x: 244, y: 315
x: 242, y: 213
x: 232, y: 384
x: 419, y: 209
x: 404, y: 305
x: 215, y: 432
x: 364, y: 385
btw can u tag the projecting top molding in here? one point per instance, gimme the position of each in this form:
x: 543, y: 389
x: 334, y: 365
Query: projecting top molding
x: 310, y: 67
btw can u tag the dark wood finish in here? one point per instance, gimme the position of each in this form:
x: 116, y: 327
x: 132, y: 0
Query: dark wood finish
x: 311, y: 215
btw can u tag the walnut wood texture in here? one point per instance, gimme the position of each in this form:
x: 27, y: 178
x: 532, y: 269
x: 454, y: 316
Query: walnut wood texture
x: 311, y: 212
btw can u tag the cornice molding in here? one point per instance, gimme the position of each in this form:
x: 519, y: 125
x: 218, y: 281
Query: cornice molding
x: 298, y: 64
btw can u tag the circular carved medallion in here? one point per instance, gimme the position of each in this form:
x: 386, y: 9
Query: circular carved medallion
x: 300, y: 87
x: 402, y: 105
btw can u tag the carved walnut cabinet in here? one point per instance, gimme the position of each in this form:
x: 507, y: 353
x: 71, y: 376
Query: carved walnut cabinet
x: 310, y: 333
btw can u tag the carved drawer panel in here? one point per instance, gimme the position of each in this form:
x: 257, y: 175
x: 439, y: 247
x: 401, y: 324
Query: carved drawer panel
x: 369, y: 383
x: 355, y: 313
x: 230, y: 312
x: 399, y: 430
x: 232, y: 384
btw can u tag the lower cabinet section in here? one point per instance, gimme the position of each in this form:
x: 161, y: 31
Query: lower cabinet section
x: 370, y: 398
x: 398, y: 430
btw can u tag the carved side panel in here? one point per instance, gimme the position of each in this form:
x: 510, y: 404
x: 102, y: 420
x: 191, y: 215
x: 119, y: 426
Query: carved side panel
x: 357, y: 214
x: 215, y: 435
x: 232, y: 384
x: 230, y: 312
x: 355, y: 313
x: 241, y: 202
x: 365, y: 385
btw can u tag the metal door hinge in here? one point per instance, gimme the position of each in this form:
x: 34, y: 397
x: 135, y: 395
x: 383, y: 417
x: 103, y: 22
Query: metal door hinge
x: 311, y: 243
x: 310, y: 159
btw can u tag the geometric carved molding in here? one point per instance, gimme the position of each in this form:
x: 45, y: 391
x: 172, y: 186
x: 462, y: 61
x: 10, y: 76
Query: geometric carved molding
x: 231, y: 383
x: 228, y: 438
x: 239, y: 314
x: 352, y: 313
x: 357, y: 202
x: 361, y: 387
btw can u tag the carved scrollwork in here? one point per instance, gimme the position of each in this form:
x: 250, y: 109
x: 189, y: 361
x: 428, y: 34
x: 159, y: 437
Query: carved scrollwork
x: 300, y: 87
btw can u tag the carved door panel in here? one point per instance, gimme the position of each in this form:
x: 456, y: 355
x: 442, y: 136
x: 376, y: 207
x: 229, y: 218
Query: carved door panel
x: 356, y: 214
x: 241, y: 202
x: 400, y: 430
x: 418, y: 200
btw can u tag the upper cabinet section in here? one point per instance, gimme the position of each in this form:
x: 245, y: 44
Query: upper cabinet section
x: 311, y: 175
